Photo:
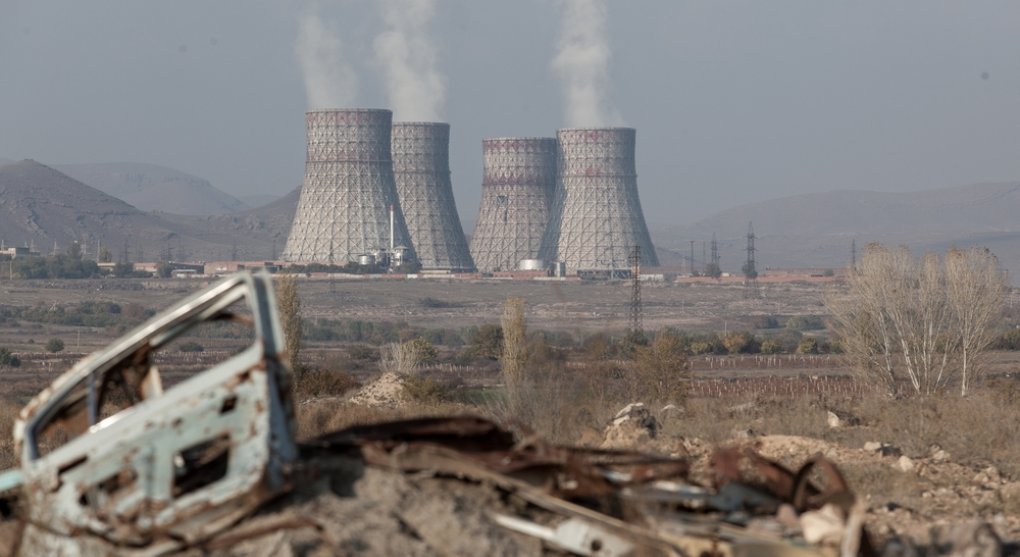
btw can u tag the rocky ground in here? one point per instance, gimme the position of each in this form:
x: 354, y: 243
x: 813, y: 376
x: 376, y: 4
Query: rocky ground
x: 921, y: 505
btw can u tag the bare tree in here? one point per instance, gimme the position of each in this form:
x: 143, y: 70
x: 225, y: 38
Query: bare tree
x: 289, y: 304
x: 399, y: 357
x: 514, y: 357
x: 918, y: 320
x: 976, y: 290
x: 662, y: 373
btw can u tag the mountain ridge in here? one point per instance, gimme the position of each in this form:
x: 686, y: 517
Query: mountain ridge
x: 152, y: 187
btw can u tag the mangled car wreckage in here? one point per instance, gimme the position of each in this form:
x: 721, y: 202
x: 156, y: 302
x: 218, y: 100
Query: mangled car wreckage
x: 113, y: 463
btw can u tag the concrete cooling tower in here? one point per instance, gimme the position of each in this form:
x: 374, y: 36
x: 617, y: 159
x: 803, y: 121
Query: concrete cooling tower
x: 421, y: 167
x: 519, y: 175
x: 596, y: 217
x: 344, y: 208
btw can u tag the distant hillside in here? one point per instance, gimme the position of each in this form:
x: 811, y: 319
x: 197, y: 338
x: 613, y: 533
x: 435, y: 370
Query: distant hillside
x: 817, y: 229
x: 258, y: 233
x: 258, y: 199
x: 155, y: 188
x: 41, y: 206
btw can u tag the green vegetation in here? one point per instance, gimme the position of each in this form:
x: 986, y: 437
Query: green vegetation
x: 82, y: 314
x: 69, y: 265
x: 54, y: 345
x: 8, y: 359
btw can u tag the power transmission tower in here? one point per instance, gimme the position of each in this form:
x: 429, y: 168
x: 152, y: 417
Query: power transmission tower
x: 635, y: 291
x: 750, y: 272
x: 714, y: 270
x: 692, y: 259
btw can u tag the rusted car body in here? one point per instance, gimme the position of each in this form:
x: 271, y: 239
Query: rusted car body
x: 113, y: 464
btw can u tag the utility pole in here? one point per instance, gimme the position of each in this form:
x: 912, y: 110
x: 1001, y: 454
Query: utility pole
x: 853, y: 254
x: 635, y: 292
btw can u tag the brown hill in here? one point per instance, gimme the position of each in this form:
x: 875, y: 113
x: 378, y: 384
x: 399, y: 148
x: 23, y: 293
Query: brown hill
x: 258, y: 233
x: 40, y: 206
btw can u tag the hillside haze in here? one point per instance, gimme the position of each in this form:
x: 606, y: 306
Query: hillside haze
x: 40, y: 206
x: 155, y: 188
x: 817, y: 229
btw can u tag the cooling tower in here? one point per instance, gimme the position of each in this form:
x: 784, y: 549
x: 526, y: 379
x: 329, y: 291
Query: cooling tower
x: 517, y: 185
x: 343, y: 211
x: 596, y: 219
x: 421, y: 168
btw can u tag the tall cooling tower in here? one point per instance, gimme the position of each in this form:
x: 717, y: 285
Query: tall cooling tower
x: 421, y: 167
x: 596, y: 217
x: 517, y: 186
x: 343, y: 210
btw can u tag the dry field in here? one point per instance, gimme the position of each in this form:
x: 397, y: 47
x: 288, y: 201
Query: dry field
x: 960, y: 457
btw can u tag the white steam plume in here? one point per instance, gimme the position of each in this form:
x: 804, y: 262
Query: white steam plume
x: 407, y: 58
x: 582, y: 64
x: 330, y: 82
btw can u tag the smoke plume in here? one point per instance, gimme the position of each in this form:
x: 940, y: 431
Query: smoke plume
x: 330, y: 82
x: 582, y: 64
x: 407, y: 59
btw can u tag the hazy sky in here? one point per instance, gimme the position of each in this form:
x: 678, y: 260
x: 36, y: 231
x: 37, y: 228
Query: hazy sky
x: 734, y: 101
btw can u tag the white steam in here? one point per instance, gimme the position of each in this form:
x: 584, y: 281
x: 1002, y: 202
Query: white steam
x: 407, y: 59
x: 582, y: 64
x: 330, y: 82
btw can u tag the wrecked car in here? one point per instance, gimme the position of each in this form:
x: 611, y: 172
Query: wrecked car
x: 112, y: 462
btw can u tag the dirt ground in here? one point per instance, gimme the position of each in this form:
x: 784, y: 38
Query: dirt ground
x: 573, y: 306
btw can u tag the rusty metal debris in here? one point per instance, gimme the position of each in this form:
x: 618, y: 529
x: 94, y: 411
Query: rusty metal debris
x: 113, y: 463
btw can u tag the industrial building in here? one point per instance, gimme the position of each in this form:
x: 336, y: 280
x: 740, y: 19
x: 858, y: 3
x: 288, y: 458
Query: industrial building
x: 596, y: 219
x: 519, y: 176
x: 421, y: 168
x: 348, y: 206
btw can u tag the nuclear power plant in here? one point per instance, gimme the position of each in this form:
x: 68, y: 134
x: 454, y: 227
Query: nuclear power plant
x: 348, y: 209
x: 421, y: 168
x: 596, y: 218
x: 519, y: 176
x: 379, y: 194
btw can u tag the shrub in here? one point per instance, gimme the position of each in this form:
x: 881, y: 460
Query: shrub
x: 740, y: 343
x: 808, y: 346
x: 487, y: 342
x: 54, y: 345
x: 420, y: 388
x: 770, y: 346
x: 422, y: 351
x: 7, y: 359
